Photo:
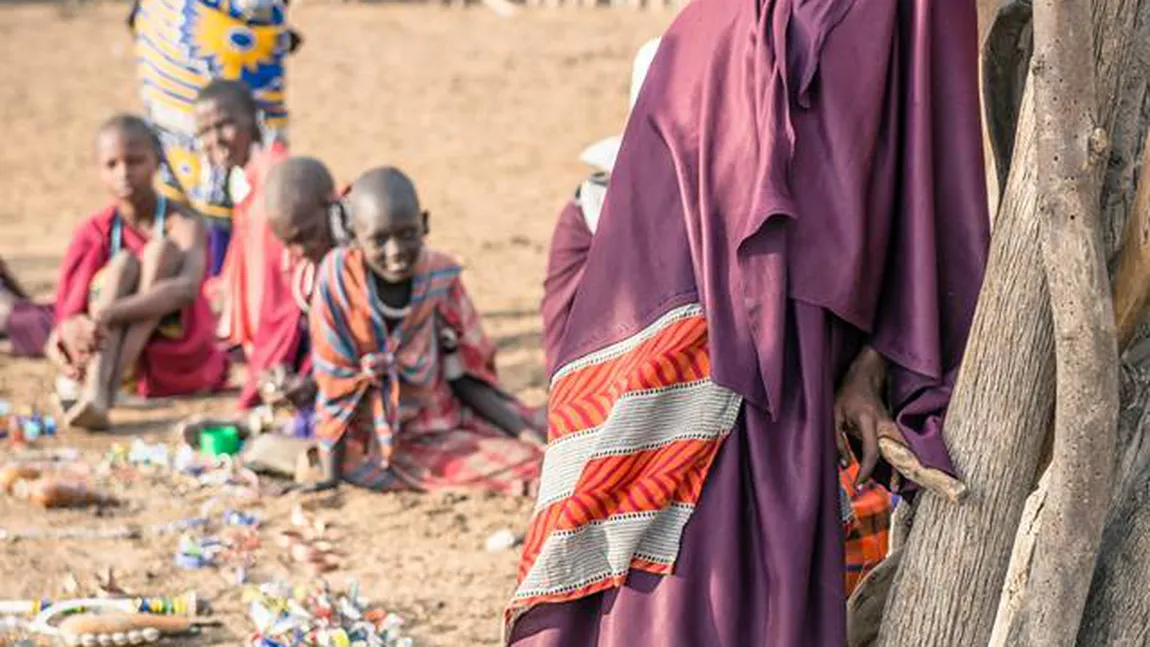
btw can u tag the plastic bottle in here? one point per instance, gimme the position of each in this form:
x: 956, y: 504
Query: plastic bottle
x: 5, y: 415
x: 33, y: 426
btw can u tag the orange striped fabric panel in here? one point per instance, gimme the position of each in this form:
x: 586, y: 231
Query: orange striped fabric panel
x: 868, y: 531
x: 633, y: 431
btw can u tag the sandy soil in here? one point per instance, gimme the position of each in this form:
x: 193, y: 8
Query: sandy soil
x: 487, y: 114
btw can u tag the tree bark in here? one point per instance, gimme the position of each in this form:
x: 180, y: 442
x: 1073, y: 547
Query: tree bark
x: 1071, y: 148
x: 1018, y: 574
x: 987, y: 12
x: 1124, y: 562
x: 955, y: 560
x: 1004, y: 66
x: 1118, y: 609
x: 994, y: 426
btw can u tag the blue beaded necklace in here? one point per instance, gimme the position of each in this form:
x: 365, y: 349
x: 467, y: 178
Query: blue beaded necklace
x: 158, y: 222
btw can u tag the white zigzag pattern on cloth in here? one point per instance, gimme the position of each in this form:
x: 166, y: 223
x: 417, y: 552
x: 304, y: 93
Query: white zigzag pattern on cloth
x: 571, y: 559
x: 639, y: 421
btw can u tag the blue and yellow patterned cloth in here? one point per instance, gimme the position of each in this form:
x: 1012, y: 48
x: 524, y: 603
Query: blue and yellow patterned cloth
x: 181, y: 45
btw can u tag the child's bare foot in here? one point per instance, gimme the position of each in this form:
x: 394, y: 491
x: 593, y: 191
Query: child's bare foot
x: 85, y: 414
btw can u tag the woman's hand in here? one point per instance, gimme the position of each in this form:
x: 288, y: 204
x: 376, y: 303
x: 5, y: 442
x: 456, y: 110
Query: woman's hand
x: 860, y: 409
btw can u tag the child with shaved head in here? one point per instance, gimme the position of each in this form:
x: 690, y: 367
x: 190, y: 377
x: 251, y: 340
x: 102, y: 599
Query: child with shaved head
x: 408, y: 397
x: 129, y: 299
x: 304, y: 212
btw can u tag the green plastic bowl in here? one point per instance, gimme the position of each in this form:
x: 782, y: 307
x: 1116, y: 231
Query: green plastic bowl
x: 217, y: 441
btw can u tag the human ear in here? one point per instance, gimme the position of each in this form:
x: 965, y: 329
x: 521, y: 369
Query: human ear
x: 426, y: 223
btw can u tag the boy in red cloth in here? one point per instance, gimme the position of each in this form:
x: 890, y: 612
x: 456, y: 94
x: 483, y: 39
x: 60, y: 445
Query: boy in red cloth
x: 129, y: 301
x: 227, y: 125
x: 304, y: 212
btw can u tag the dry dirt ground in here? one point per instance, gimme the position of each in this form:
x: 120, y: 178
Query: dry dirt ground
x: 487, y: 114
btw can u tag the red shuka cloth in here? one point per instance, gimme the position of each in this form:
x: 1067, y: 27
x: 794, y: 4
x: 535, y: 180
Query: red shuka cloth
x: 280, y: 337
x: 253, y: 272
x: 190, y: 364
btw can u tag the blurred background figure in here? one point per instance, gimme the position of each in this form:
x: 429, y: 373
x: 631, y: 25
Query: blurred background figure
x: 181, y: 46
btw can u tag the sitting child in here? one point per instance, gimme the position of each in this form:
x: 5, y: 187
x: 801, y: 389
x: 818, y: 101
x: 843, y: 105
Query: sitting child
x: 407, y: 391
x: 227, y: 126
x: 304, y: 212
x: 129, y: 296
x: 25, y: 324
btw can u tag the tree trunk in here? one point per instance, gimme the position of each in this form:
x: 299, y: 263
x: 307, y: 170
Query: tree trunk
x: 1116, y: 613
x: 1133, y: 271
x: 987, y: 10
x: 956, y: 557
x: 1118, y: 610
x: 1018, y: 574
x: 1000, y: 408
x: 1004, y: 67
x: 1071, y: 149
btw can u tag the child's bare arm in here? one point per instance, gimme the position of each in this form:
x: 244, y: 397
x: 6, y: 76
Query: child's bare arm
x: 489, y: 403
x: 167, y: 294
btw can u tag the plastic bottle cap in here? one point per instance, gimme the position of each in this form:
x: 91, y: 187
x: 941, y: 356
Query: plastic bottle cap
x: 220, y: 441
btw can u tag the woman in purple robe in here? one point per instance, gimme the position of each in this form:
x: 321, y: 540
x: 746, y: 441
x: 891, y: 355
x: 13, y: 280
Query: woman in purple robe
x: 791, y: 247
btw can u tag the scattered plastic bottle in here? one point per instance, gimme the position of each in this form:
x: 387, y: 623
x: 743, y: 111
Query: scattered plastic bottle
x: 501, y: 540
x: 237, y: 518
x: 33, y: 427
x: 143, y: 453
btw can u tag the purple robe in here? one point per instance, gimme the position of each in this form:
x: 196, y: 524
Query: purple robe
x: 29, y: 327
x: 810, y: 171
x: 569, y: 245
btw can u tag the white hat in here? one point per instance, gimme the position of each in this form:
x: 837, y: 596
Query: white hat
x: 602, y: 154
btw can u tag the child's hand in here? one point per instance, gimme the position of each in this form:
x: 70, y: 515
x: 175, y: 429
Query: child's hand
x: 300, y: 391
x: 81, y: 337
x: 376, y: 365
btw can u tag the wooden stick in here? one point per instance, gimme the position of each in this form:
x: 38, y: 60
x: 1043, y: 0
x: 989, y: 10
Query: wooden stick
x: 112, y: 532
x: 111, y: 623
x: 902, y: 459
